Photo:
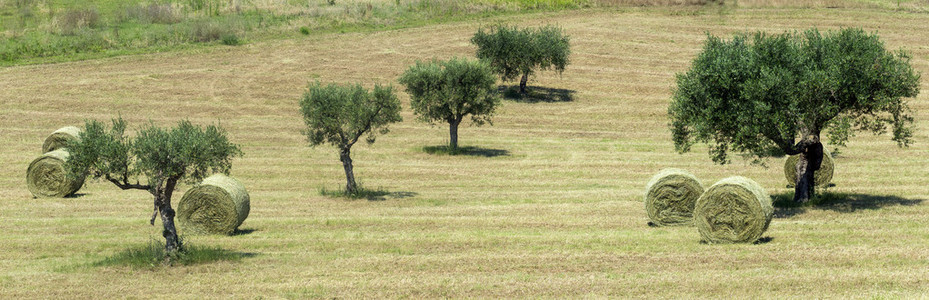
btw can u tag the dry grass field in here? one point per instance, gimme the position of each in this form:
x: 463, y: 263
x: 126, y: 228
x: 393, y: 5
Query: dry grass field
x: 551, y: 209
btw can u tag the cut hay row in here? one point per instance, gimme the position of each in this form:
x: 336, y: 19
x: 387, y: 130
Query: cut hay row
x: 60, y: 138
x: 822, y: 177
x: 46, y: 176
x: 735, y: 209
x: 218, y: 205
x: 670, y: 197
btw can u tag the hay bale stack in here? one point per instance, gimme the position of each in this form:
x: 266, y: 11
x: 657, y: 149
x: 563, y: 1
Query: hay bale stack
x: 47, y: 177
x: 822, y: 177
x: 60, y: 138
x: 218, y: 205
x: 734, y: 210
x: 670, y: 197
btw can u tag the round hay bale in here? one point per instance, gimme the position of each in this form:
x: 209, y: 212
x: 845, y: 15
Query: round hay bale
x: 59, y: 138
x: 670, y: 197
x: 734, y: 210
x: 218, y: 205
x: 47, y: 177
x: 822, y: 177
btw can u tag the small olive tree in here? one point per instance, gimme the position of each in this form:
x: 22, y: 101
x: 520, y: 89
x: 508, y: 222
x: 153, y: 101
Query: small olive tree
x: 162, y: 156
x: 754, y: 94
x: 513, y: 52
x: 341, y: 115
x: 447, y: 91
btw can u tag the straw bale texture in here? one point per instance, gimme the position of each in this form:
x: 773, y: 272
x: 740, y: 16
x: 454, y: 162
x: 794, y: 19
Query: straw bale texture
x: 59, y: 139
x: 734, y: 210
x: 47, y: 177
x: 670, y: 197
x: 218, y: 205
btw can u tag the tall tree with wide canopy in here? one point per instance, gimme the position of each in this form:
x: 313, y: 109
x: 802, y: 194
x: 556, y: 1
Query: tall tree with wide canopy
x: 448, y: 91
x: 754, y: 93
x: 162, y: 156
x: 340, y: 115
x: 513, y: 52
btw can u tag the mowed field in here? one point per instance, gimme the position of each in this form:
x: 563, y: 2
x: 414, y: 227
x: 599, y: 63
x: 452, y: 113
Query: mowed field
x: 553, y: 210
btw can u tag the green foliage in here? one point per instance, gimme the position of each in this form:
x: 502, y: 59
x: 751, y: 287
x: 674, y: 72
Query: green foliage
x: 184, y: 152
x: 207, y: 7
x: 163, y: 156
x: 74, y: 20
x: 304, y: 30
x: 447, y: 91
x: 540, y: 4
x: 153, y: 13
x: 206, y: 31
x: 340, y: 115
x: 101, y: 151
x: 513, y: 52
x: 120, y: 27
x: 753, y: 93
x: 230, y: 39
x: 81, y: 29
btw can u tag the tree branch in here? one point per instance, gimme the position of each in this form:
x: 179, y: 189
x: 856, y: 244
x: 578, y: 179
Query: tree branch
x: 366, y: 127
x: 780, y: 142
x: 800, y: 147
x: 154, y: 214
x: 342, y: 138
x: 125, y: 185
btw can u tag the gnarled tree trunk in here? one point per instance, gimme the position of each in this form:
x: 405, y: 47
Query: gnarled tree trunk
x: 345, y: 157
x: 522, y: 83
x: 163, y: 203
x: 810, y: 160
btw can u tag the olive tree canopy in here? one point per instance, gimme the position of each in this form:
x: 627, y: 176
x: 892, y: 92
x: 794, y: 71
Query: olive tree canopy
x: 513, y: 52
x: 340, y: 115
x: 161, y: 156
x: 447, y: 91
x: 753, y: 93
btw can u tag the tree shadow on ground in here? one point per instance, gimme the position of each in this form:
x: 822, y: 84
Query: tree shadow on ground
x: 152, y: 256
x: 378, y: 194
x: 761, y: 240
x: 536, y: 94
x: 243, y: 231
x: 382, y: 195
x: 784, y: 207
x: 467, y: 150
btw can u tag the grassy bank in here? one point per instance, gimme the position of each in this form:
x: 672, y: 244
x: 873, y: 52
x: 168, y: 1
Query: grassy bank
x: 50, y: 30
x: 42, y: 31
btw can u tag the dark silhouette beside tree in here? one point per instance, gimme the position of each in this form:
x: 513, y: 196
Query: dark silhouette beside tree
x: 162, y: 156
x: 447, y: 91
x: 341, y: 115
x: 752, y: 94
x: 518, y: 53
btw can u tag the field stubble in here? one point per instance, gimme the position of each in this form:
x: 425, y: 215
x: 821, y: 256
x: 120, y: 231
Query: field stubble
x: 559, y: 215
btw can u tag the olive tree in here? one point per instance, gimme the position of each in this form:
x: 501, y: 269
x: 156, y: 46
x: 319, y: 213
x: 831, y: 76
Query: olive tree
x: 447, y: 91
x: 341, y: 115
x: 754, y: 93
x: 163, y: 157
x: 513, y: 52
